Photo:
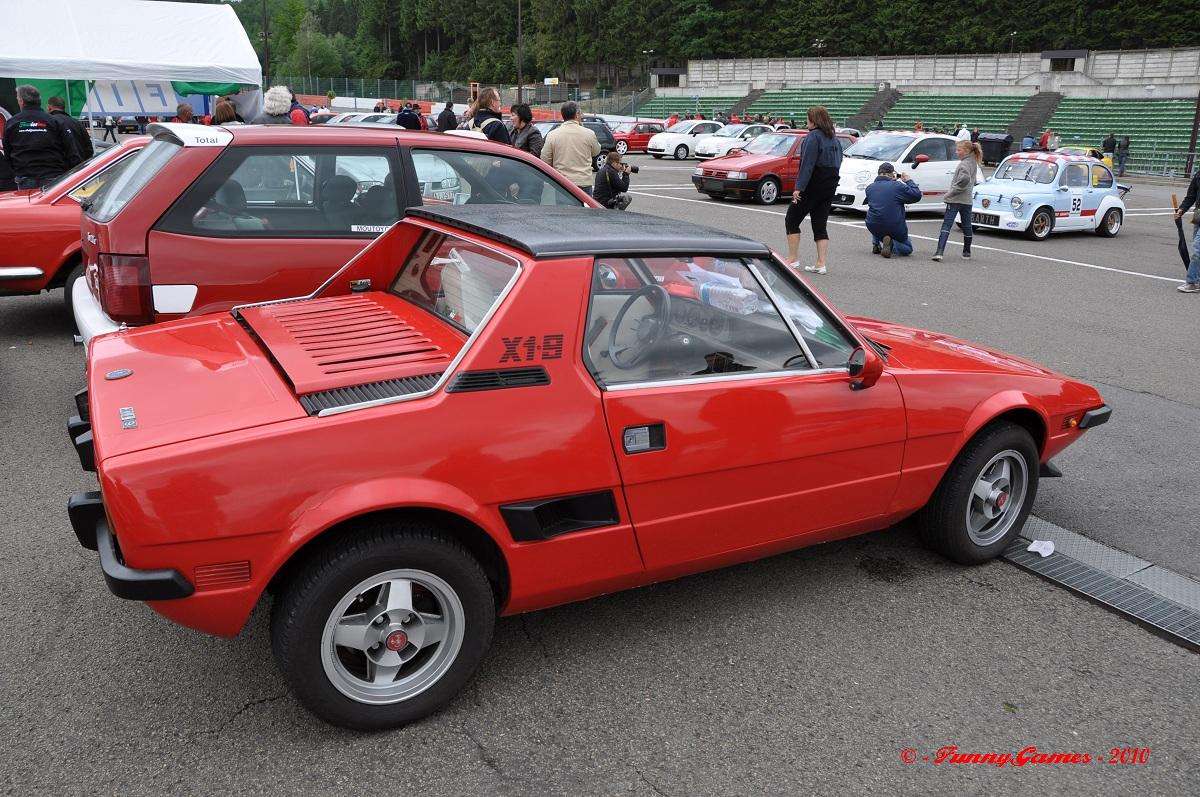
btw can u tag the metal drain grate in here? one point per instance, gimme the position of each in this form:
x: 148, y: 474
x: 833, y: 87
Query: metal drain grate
x: 1180, y: 623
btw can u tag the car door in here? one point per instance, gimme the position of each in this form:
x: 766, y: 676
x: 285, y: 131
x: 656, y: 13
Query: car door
x: 268, y: 223
x: 730, y: 434
x: 644, y: 134
x: 1070, y: 197
x: 934, y: 174
x: 791, y: 164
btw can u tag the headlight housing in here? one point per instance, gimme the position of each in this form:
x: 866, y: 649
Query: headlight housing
x: 1016, y: 203
x: 737, y: 175
x: 698, y: 171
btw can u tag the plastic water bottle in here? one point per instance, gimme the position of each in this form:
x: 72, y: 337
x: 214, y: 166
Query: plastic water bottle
x: 737, y: 301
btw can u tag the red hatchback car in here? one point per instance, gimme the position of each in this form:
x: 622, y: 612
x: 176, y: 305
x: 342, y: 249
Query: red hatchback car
x: 39, y: 230
x: 634, y: 136
x: 495, y: 411
x: 764, y: 170
x: 209, y: 217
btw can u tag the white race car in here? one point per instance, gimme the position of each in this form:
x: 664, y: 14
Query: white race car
x: 929, y: 159
x: 680, y: 139
x: 727, y: 138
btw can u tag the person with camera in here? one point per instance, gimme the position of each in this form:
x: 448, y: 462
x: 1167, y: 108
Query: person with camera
x: 886, y: 198
x: 612, y: 183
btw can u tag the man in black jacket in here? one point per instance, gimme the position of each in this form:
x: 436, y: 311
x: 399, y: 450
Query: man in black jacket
x: 83, y: 140
x: 39, y: 147
x: 407, y: 118
x: 1189, y: 201
x: 446, y: 120
x: 612, y: 183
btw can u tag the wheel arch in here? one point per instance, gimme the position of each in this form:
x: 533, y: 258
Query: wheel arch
x: 1012, y: 406
x: 70, y: 258
x: 1048, y: 208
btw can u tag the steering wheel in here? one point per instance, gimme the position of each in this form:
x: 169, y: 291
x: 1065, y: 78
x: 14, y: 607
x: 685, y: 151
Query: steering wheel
x: 650, y: 329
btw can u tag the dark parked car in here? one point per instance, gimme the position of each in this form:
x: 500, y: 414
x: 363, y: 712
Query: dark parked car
x: 603, y: 134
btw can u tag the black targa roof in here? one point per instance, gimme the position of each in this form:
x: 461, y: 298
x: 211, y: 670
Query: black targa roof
x: 555, y: 231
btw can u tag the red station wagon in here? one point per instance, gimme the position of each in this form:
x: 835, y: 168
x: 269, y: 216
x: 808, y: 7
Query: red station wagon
x: 495, y: 411
x: 39, y: 229
x: 765, y: 169
x: 634, y: 136
x: 209, y: 217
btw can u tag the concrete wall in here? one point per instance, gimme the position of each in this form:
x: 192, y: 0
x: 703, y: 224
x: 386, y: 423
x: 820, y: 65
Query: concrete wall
x: 1111, y: 73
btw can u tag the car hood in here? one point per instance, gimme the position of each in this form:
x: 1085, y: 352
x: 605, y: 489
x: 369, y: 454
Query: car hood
x: 1008, y: 188
x: 181, y: 380
x: 918, y: 349
x: 715, y: 143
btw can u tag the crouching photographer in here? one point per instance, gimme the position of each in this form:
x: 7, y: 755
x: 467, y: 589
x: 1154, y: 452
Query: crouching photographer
x: 612, y: 183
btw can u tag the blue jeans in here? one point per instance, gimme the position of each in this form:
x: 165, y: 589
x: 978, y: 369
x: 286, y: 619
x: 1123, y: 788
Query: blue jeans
x: 963, y: 211
x: 1121, y: 159
x: 901, y: 244
x: 1193, y: 273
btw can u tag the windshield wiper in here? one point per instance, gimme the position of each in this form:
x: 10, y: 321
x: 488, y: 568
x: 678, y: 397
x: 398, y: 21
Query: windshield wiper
x: 865, y: 157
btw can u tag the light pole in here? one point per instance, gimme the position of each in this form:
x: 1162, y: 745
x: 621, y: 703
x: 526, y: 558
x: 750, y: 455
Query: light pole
x: 520, y: 54
x: 818, y: 45
x: 646, y: 59
x: 1012, y: 40
x: 266, y: 34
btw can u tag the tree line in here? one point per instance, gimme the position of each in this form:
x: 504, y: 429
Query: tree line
x: 607, y: 40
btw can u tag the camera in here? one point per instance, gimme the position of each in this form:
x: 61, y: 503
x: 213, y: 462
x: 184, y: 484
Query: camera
x: 632, y: 169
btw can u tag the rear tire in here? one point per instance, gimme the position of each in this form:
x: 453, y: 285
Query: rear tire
x: 985, y: 496
x: 355, y: 577
x: 655, y: 156
x: 1110, y: 225
x: 68, y: 286
x: 623, y: 148
x: 681, y: 152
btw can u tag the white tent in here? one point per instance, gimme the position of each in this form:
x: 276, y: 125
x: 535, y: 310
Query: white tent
x: 125, y: 40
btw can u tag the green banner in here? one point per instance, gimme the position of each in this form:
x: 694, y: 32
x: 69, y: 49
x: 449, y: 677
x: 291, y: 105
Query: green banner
x: 73, y: 92
x: 184, y: 88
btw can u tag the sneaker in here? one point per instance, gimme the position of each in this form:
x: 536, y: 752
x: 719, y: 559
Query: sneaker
x: 819, y: 270
x: 810, y: 269
x: 875, y: 249
x: 887, y: 246
x: 966, y: 255
x: 936, y: 256
x: 1189, y: 287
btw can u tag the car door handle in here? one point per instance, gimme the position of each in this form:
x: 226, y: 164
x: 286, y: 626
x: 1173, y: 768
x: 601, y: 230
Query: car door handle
x: 640, y: 439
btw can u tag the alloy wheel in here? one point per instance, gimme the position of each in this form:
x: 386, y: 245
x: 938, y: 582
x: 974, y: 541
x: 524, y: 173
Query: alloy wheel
x: 997, y: 497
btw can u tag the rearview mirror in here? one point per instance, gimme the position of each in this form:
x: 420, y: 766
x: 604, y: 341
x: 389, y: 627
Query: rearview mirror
x: 865, y: 368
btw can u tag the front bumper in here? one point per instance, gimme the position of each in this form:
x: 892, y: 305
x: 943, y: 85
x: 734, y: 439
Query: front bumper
x: 1097, y: 417
x: 846, y: 197
x: 90, y: 318
x: 722, y: 185
x: 1003, y: 217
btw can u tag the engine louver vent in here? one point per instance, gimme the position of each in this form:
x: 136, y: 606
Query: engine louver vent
x: 470, y: 381
x: 313, y: 403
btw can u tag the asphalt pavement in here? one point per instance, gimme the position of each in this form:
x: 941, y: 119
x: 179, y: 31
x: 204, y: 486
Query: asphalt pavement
x: 821, y: 671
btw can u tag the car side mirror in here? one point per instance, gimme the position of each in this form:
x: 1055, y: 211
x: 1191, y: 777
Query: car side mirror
x: 1063, y: 188
x: 865, y: 368
x: 919, y: 159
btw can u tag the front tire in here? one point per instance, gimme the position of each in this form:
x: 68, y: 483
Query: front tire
x: 681, y: 152
x: 622, y: 148
x: 767, y: 191
x: 985, y: 497
x: 384, y: 627
x: 656, y: 156
x: 1110, y: 225
x: 1041, y: 225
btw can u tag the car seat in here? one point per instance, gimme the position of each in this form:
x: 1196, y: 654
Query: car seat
x: 337, y: 205
x: 227, y: 210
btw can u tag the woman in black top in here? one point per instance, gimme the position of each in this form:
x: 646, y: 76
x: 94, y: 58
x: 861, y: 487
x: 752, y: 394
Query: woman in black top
x: 820, y: 162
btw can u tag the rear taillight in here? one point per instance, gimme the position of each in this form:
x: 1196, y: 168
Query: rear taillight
x: 124, y: 283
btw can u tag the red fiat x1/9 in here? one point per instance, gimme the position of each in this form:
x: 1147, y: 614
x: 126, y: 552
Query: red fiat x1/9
x: 764, y: 170
x: 495, y: 411
x: 39, y: 229
x: 209, y: 217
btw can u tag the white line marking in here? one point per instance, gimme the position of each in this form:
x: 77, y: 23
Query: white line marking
x: 861, y: 225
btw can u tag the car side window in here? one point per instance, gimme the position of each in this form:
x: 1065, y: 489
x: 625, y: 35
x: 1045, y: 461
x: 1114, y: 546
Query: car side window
x: 934, y: 148
x: 683, y: 317
x: 479, y: 178
x: 824, y: 337
x: 1101, y: 177
x: 285, y: 192
x: 1076, y: 176
x: 89, y: 187
x: 707, y: 127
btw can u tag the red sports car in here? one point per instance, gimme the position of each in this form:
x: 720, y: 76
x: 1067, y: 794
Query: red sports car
x: 633, y: 136
x: 39, y: 229
x: 210, y: 217
x: 765, y: 169
x: 495, y: 411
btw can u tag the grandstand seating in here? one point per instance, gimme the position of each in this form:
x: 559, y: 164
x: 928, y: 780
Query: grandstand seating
x: 840, y: 101
x: 662, y: 107
x: 1159, y: 130
x: 990, y: 113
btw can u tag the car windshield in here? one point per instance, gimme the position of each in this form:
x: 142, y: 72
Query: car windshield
x: 731, y: 131
x: 880, y: 147
x: 1031, y: 170
x: 115, y: 194
x: 770, y: 144
x: 66, y: 176
x: 681, y: 127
